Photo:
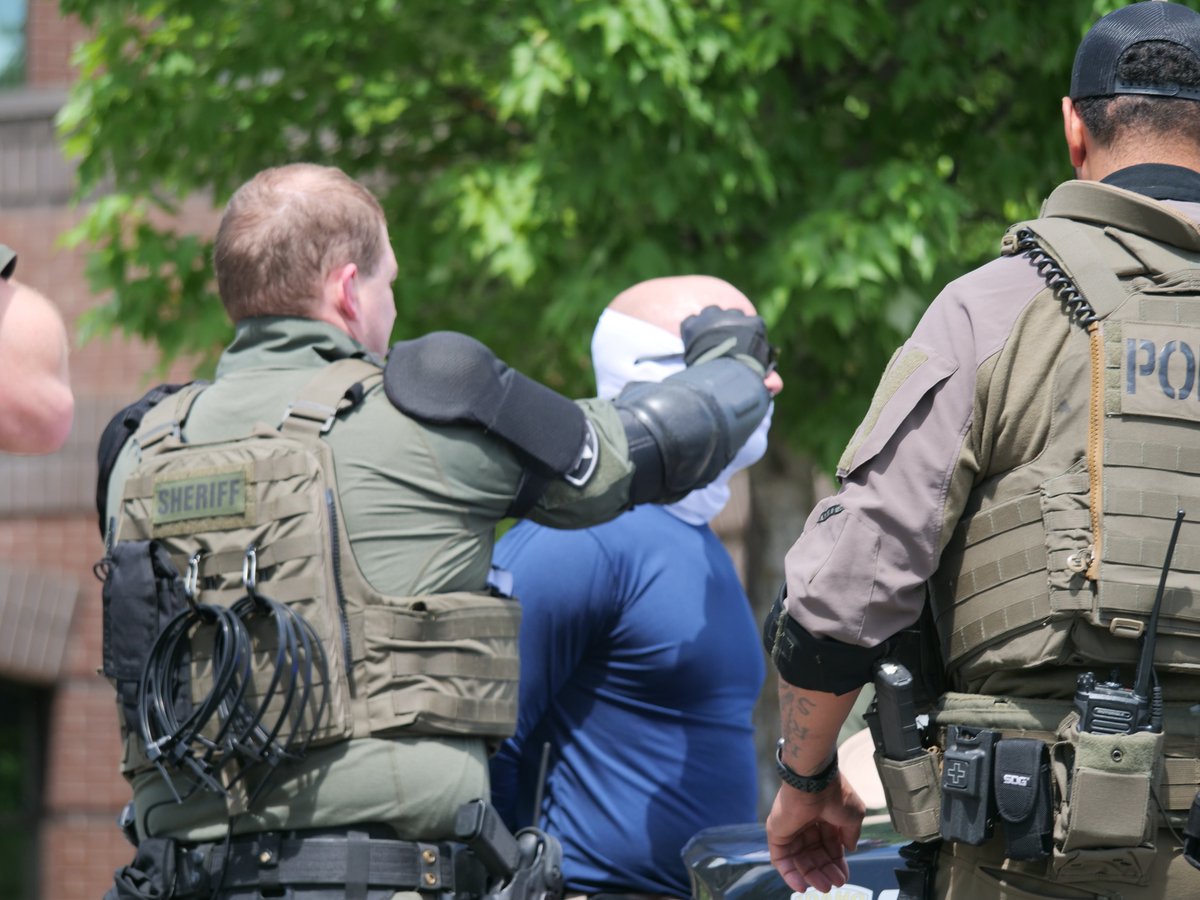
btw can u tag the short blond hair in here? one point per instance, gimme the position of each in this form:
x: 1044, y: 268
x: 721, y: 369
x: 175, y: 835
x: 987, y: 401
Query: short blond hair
x: 284, y: 229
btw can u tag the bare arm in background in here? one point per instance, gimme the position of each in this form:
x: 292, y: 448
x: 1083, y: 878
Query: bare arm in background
x: 36, y: 405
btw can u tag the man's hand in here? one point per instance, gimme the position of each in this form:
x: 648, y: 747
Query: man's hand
x: 808, y: 835
x: 715, y: 332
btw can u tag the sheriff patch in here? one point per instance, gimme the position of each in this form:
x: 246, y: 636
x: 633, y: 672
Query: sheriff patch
x: 1159, y: 371
x: 211, y: 495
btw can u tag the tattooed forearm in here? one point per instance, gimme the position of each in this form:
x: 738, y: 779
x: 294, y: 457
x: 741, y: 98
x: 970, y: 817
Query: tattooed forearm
x: 793, y: 733
x: 793, y: 728
x: 809, y: 723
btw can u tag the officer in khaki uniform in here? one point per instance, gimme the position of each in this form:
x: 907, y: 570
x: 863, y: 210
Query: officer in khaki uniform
x: 1016, y: 481
x: 375, y: 523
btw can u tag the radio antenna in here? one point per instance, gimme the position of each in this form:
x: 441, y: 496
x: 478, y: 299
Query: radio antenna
x: 1145, y: 668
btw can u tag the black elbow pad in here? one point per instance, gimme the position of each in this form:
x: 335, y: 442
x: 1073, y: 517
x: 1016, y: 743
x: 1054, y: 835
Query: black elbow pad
x: 813, y: 663
x: 684, y: 430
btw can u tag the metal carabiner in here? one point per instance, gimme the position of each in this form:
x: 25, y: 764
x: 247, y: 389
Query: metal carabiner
x: 191, y: 578
x: 250, y: 571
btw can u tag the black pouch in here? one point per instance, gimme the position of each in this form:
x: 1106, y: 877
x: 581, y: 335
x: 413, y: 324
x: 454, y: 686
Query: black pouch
x: 968, y: 807
x: 142, y: 592
x: 1023, y: 802
x: 151, y: 875
x: 1191, y: 833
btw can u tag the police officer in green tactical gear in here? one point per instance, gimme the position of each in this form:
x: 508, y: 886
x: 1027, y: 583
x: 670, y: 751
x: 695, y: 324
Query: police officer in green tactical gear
x: 1017, y: 487
x: 311, y: 654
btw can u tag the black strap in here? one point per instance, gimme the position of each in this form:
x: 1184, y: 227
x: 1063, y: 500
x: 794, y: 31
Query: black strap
x: 353, y: 862
x: 358, y: 865
x: 120, y: 428
x: 529, y: 491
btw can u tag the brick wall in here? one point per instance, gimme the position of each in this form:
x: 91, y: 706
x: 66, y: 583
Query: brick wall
x: 50, y: 40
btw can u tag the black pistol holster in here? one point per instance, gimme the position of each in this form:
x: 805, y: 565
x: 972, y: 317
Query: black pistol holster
x: 916, y: 880
x: 525, y: 866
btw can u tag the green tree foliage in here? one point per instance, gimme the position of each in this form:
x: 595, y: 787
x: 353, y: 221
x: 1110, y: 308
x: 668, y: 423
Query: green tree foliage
x: 837, y: 161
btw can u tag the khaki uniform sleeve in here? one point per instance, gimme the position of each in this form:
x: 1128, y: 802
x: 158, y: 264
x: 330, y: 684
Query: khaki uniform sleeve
x: 857, y: 573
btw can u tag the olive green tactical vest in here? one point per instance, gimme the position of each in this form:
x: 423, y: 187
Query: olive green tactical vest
x: 441, y: 664
x: 1058, y: 561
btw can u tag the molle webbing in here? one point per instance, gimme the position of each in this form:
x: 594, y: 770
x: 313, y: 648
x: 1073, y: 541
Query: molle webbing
x: 1044, y: 720
x: 439, y: 664
x: 1021, y: 573
x: 1001, y: 556
x: 464, y: 642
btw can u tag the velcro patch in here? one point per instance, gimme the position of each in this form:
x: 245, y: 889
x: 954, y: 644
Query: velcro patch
x: 215, y: 494
x: 1159, y: 374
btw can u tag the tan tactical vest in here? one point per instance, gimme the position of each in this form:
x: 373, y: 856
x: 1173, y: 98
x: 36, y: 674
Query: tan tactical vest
x: 439, y: 664
x: 1058, y: 562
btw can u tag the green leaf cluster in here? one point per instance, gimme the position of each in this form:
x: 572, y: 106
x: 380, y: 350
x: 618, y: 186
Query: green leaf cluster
x: 838, y: 162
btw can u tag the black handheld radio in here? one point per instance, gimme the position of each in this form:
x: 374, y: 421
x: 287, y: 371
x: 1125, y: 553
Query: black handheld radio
x: 1110, y: 708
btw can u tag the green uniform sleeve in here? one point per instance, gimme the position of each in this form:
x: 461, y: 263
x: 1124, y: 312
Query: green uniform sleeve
x: 606, y: 493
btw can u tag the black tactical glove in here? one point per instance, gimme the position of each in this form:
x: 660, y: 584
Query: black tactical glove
x: 715, y: 332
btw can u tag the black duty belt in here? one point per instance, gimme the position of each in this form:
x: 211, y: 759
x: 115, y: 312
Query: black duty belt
x: 350, y: 863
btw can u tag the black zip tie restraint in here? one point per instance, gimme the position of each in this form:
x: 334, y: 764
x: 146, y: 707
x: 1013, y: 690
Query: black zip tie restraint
x: 237, y: 724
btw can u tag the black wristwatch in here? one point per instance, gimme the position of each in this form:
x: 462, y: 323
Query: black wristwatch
x: 810, y: 784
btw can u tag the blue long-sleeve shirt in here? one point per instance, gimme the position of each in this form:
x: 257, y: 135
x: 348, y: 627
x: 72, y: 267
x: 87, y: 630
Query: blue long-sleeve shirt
x: 640, y: 665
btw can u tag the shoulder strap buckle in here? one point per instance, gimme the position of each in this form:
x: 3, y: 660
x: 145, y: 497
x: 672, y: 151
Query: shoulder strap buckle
x: 311, y: 411
x: 153, y: 435
x: 333, y: 390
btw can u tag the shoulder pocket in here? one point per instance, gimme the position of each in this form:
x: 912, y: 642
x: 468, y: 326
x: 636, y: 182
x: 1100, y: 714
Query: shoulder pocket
x: 910, y: 375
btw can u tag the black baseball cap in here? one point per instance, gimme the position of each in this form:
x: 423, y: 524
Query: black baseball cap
x: 1095, y: 71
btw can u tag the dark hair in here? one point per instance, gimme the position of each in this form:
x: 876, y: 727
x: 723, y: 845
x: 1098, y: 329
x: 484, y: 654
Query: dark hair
x: 1109, y: 119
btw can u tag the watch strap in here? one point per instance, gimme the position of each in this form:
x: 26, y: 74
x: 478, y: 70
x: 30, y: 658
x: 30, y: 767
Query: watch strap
x: 809, y: 784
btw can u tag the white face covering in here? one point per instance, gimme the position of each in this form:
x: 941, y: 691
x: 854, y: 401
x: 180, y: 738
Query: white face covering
x: 626, y: 349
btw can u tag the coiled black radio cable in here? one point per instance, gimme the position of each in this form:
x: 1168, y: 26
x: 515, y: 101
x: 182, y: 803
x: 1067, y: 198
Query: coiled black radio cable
x: 1056, y: 279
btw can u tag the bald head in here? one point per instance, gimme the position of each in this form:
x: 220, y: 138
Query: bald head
x: 642, y: 342
x: 666, y: 302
